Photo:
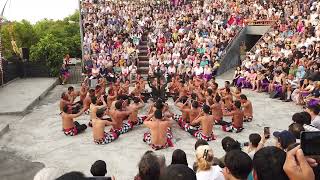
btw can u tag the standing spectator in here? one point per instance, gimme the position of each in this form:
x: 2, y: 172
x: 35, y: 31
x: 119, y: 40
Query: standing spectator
x: 64, y: 74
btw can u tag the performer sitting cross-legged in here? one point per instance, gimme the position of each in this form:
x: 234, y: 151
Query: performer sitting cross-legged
x: 98, y: 125
x: 135, y: 107
x: 193, y: 113
x: 70, y: 127
x: 118, y: 115
x: 160, y: 135
x: 206, y: 120
x: 237, y: 119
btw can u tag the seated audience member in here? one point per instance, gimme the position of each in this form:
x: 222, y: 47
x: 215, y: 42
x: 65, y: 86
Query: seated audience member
x: 48, y: 173
x: 72, y: 175
x: 297, y: 166
x: 284, y: 139
x: 254, y: 140
x: 178, y: 172
x: 296, y: 129
x: 179, y: 157
x: 268, y: 164
x: 229, y: 144
x: 300, y: 118
x: 314, y: 113
x: 70, y: 127
x: 99, y: 169
x: 149, y: 167
x: 160, y: 135
x: 200, y: 142
x: 162, y: 162
x: 238, y: 165
x: 204, y: 163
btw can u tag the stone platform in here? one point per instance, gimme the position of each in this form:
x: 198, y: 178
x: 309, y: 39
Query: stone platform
x: 37, y: 137
x: 22, y: 94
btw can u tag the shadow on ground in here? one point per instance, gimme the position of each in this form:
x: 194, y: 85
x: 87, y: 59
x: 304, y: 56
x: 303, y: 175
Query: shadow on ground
x: 13, y: 167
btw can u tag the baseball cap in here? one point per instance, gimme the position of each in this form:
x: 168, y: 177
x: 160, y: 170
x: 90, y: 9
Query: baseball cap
x: 285, y: 138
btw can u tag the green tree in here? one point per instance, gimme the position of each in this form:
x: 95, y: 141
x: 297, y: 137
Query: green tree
x: 48, y: 40
x: 51, y: 51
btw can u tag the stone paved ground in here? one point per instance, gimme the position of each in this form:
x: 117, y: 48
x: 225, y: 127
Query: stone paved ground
x: 38, y: 137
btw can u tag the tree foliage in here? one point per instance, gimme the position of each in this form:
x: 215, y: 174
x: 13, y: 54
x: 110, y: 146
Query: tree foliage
x: 49, y: 50
x: 63, y: 36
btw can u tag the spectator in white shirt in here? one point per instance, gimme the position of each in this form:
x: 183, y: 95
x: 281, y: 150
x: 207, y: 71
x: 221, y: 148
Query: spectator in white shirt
x: 204, y: 161
x: 314, y: 113
x: 198, y: 71
x: 132, y: 71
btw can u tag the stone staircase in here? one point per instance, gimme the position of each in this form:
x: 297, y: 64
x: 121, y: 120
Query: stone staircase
x: 76, y: 75
x: 143, y: 62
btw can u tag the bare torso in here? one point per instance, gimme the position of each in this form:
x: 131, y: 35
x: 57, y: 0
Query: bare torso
x: 248, y: 112
x: 67, y: 121
x: 193, y: 114
x: 217, y: 112
x: 237, y: 118
x: 158, y: 130
x: 207, y: 122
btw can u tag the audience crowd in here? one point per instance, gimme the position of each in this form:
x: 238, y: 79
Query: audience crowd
x: 187, y: 40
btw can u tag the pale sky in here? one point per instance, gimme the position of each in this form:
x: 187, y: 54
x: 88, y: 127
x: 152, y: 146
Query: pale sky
x: 35, y: 10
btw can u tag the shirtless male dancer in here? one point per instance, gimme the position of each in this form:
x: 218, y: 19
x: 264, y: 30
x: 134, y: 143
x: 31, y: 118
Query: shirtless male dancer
x: 70, y: 127
x: 119, y: 116
x: 206, y: 120
x: 160, y: 135
x: 65, y: 101
x: 98, y: 125
x: 94, y: 108
x: 72, y: 94
x: 194, y: 113
x: 183, y: 105
x: 135, y: 107
x: 247, y: 108
x: 87, y: 99
x: 216, y: 109
x: 83, y: 92
x: 237, y: 119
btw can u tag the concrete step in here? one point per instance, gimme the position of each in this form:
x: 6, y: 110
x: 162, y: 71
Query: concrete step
x: 143, y: 47
x: 143, y: 58
x: 143, y: 54
x: 143, y: 70
x: 144, y: 43
x: 142, y: 51
x: 143, y: 64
